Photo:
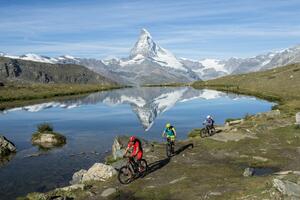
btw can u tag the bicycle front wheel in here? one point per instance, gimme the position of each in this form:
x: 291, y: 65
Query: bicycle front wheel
x: 203, y: 132
x: 168, y: 150
x: 125, y: 175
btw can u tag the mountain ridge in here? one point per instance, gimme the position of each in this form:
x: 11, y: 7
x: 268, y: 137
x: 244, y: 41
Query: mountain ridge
x: 149, y: 63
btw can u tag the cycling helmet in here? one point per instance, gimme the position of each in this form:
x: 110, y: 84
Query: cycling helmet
x: 132, y: 139
x: 168, y: 125
x: 208, y: 117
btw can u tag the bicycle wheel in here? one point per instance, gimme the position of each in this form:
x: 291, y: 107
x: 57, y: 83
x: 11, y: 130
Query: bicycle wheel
x: 168, y: 149
x: 143, y: 166
x: 125, y: 175
x: 203, y: 132
x: 172, y: 147
x: 212, y: 131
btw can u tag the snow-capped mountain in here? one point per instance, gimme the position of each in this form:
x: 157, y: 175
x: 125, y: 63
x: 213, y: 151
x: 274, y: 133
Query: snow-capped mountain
x: 149, y: 63
x: 213, y: 68
x: 146, y: 48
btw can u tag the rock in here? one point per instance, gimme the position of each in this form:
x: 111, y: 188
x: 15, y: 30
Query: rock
x: 108, y: 192
x: 99, y: 172
x: 298, y: 118
x: 120, y: 144
x: 259, y: 158
x: 234, y: 122
x: 248, y: 172
x: 287, y: 188
x: 77, y: 176
x: 48, y: 139
x: 215, y: 193
x: 6, y: 146
x: 177, y: 180
x: 283, y: 172
x: 72, y: 187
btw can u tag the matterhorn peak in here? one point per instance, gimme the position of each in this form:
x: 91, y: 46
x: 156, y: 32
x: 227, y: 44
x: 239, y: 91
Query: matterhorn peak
x: 145, y: 33
x: 145, y: 46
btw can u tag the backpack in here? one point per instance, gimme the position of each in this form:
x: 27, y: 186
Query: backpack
x: 141, y: 146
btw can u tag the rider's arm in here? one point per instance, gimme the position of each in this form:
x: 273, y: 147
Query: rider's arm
x: 163, y: 134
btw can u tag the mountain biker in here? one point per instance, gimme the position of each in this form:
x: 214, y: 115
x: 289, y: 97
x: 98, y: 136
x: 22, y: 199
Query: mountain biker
x: 137, y: 152
x: 169, y: 132
x: 209, y: 123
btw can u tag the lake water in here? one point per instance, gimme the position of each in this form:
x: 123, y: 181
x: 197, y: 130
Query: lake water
x: 91, y: 122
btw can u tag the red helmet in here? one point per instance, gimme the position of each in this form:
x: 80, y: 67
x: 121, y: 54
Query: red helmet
x: 132, y: 139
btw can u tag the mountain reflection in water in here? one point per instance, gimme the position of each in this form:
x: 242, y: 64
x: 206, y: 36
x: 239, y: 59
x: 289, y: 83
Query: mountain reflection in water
x: 146, y: 103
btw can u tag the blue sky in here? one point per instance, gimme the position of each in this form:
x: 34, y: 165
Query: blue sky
x: 192, y: 28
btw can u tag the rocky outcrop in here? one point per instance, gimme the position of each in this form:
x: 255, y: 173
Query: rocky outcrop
x: 298, y: 118
x: 6, y: 146
x: 38, y: 72
x: 48, y: 139
x: 248, y: 172
x: 120, y: 144
x: 98, y: 172
x: 234, y: 122
x: 287, y: 188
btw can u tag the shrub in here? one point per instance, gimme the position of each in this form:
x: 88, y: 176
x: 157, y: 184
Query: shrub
x: 231, y: 119
x: 45, y: 127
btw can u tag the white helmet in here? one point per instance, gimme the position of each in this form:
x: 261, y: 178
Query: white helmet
x: 208, y: 117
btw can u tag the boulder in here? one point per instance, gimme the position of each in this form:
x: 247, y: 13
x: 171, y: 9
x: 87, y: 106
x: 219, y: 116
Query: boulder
x: 120, y: 144
x: 298, y: 118
x: 234, y: 122
x: 98, y: 172
x: 287, y: 188
x: 108, y: 192
x: 6, y: 146
x: 77, y: 176
x: 248, y: 172
x: 48, y: 139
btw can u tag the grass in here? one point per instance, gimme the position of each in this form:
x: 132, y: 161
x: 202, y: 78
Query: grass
x: 279, y: 85
x: 232, y: 119
x: 46, y: 128
x: 12, y: 95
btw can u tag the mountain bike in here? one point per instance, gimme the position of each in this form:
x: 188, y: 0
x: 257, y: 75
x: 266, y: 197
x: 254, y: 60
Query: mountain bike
x: 132, y: 170
x: 170, y: 146
x: 205, y: 132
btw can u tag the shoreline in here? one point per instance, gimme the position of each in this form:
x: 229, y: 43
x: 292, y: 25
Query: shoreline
x: 37, y: 93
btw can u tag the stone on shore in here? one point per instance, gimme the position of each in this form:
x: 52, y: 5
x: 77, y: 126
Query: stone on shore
x: 6, y: 146
x: 48, y: 139
x: 98, y: 172
x: 77, y: 176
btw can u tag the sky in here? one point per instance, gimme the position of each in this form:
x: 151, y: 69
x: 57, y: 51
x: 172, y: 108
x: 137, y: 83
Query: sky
x: 194, y: 29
